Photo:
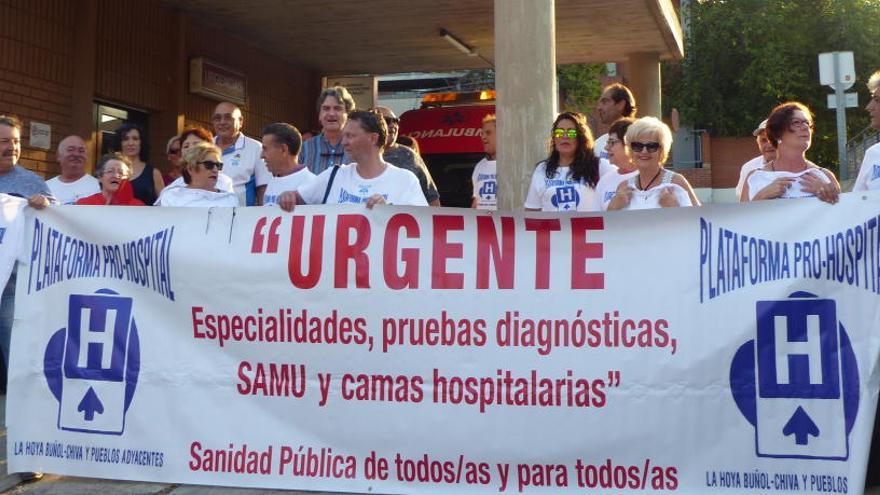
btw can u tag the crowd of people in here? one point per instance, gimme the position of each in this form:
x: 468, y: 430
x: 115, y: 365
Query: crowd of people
x: 359, y: 158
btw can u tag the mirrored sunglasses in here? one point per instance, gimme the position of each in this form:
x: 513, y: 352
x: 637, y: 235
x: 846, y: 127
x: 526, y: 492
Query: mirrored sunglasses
x: 565, y: 133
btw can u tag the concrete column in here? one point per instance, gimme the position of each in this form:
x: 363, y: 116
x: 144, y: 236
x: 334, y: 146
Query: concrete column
x: 525, y: 80
x: 83, y: 95
x: 643, y: 78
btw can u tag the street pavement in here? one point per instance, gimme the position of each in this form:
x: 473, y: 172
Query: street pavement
x: 68, y: 485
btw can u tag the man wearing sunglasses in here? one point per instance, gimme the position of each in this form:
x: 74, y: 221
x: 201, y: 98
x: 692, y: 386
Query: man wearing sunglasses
x: 406, y: 158
x: 616, y: 102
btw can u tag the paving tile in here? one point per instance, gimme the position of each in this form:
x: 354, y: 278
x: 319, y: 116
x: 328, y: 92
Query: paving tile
x: 68, y: 485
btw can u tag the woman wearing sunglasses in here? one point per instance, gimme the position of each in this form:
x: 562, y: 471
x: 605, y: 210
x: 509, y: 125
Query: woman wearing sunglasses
x: 566, y: 180
x: 648, y: 141
x: 112, y: 172
x: 191, y: 136
x: 201, y: 167
x: 791, y: 175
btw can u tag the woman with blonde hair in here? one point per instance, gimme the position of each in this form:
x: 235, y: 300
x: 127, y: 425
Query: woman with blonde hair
x: 201, y: 167
x: 648, y: 141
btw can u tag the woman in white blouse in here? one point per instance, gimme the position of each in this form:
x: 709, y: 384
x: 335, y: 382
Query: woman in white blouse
x: 201, y: 167
x: 791, y: 175
x: 648, y: 141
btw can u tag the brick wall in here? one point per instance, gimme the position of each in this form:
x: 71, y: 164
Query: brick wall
x: 727, y: 155
x: 276, y: 92
x: 36, y: 71
x: 698, y: 177
x: 138, y: 64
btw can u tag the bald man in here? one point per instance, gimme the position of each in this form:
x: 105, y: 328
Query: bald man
x: 73, y: 183
x: 406, y: 158
x: 241, y: 155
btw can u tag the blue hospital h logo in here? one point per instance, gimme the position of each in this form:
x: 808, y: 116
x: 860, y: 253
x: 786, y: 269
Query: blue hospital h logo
x: 92, y: 365
x: 565, y: 198
x: 488, y: 189
x: 797, y: 382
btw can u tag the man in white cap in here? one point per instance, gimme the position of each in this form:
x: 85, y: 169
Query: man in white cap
x: 768, y: 154
x: 869, y: 173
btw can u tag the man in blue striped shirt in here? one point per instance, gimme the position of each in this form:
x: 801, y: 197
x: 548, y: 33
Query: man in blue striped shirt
x: 325, y: 150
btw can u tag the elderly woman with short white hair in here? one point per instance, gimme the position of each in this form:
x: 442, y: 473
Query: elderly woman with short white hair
x: 201, y: 166
x: 648, y: 141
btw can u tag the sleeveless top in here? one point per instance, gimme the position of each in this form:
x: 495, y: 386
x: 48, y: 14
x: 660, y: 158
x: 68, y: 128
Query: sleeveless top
x: 650, y: 198
x: 665, y: 178
x: 143, y: 186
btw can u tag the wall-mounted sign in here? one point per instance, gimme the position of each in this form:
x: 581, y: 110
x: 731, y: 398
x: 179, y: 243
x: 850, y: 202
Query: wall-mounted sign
x: 364, y: 89
x: 41, y: 136
x: 217, y: 82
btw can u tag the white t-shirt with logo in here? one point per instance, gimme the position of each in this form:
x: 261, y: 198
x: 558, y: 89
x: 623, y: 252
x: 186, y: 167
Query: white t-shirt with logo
x: 869, y: 173
x: 599, y: 147
x: 68, y: 192
x: 753, y: 164
x: 762, y: 178
x: 485, y: 181
x: 241, y: 161
x: 560, y: 192
x: 607, y: 187
x: 290, y: 182
x: 396, y: 185
x: 186, y: 196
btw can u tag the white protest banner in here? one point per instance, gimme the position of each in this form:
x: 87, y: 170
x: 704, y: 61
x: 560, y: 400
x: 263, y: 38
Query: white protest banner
x: 11, y: 233
x: 728, y: 348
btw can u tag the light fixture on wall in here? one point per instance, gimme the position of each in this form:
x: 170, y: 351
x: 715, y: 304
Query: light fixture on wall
x: 454, y: 41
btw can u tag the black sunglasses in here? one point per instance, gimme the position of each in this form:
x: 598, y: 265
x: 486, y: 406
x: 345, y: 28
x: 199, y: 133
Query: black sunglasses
x: 392, y: 120
x: 209, y: 165
x: 651, y: 146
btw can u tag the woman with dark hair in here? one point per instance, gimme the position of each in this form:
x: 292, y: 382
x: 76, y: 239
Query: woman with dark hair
x: 112, y: 172
x: 791, y: 175
x: 566, y: 180
x: 615, y: 147
x: 145, y: 180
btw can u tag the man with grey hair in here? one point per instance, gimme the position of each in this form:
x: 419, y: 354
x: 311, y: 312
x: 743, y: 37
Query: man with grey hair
x: 73, y: 183
x: 326, y: 150
x: 869, y: 173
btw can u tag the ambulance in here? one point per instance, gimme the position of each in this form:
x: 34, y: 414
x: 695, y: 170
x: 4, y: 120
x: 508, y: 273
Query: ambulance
x: 448, y: 128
